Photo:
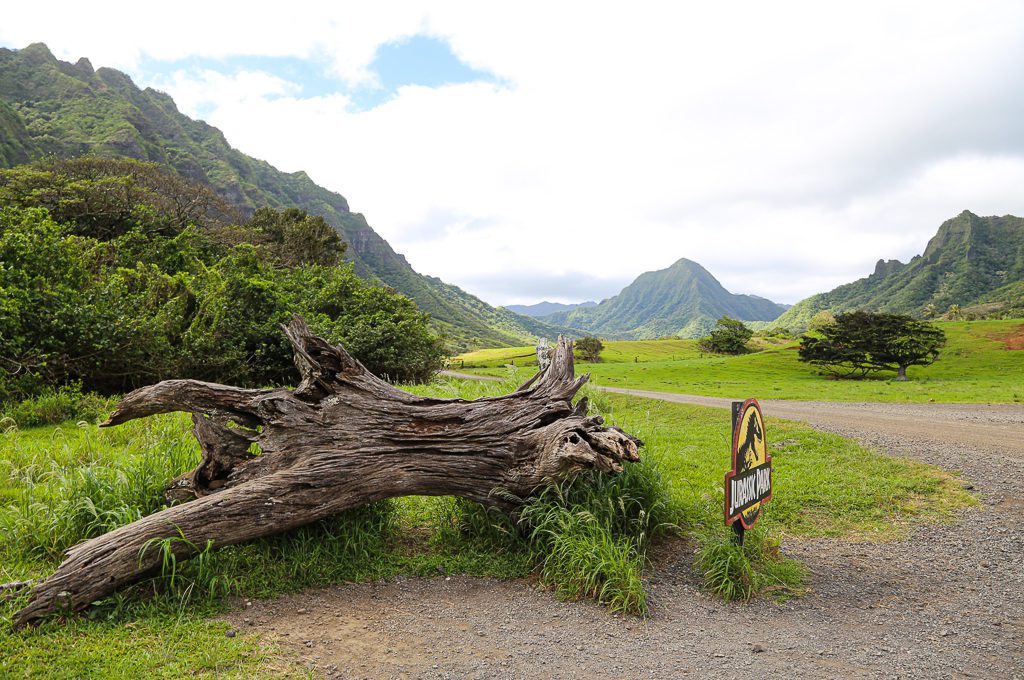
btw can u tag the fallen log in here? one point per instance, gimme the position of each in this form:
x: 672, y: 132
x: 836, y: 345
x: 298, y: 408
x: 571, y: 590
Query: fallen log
x: 276, y: 459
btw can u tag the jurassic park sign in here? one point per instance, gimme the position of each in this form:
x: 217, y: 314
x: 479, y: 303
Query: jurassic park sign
x: 748, y: 485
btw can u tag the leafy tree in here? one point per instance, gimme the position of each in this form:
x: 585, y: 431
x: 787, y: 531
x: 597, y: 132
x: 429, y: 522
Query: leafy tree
x: 129, y: 287
x: 589, y: 348
x: 297, y: 238
x: 821, y: 320
x: 107, y: 197
x: 861, y: 342
x: 729, y: 337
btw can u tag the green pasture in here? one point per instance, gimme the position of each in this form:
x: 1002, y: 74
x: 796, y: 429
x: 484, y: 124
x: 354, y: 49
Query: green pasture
x: 976, y: 366
x: 60, y: 484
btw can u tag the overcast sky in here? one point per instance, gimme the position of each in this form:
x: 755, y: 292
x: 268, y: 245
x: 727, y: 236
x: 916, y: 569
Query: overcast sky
x: 556, y: 150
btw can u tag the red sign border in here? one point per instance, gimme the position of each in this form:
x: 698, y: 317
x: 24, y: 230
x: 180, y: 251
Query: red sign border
x: 732, y: 473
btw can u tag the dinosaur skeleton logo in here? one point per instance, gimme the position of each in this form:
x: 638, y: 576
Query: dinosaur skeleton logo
x: 749, y: 483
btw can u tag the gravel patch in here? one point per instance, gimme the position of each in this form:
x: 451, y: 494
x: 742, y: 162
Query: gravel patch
x: 947, y: 602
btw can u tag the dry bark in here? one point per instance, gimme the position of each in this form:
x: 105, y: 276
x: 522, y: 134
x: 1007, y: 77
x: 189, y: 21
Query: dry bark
x: 343, y: 438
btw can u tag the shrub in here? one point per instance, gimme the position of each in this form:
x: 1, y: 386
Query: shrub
x: 56, y: 405
x: 729, y: 337
x: 589, y: 348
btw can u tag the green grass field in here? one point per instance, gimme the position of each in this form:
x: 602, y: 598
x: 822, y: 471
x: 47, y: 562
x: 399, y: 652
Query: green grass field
x: 977, y: 365
x: 61, y: 484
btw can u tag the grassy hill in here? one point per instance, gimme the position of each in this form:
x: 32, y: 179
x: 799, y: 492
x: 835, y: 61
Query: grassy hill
x: 52, y: 107
x: 683, y: 300
x: 971, y: 260
x: 983, y: 362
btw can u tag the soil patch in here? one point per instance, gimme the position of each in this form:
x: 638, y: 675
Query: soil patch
x: 1013, y: 339
x: 945, y: 602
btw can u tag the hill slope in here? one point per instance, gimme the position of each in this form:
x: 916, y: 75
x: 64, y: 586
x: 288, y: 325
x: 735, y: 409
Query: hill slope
x: 52, y: 107
x: 545, y: 308
x: 970, y: 260
x: 683, y: 300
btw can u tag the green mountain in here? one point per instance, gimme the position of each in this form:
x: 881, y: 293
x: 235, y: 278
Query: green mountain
x: 545, y: 308
x: 971, y: 260
x: 52, y: 107
x: 684, y: 300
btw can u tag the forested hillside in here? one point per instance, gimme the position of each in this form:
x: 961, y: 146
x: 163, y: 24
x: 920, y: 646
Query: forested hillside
x: 683, y: 300
x: 52, y: 107
x: 116, y: 273
x: 972, y: 260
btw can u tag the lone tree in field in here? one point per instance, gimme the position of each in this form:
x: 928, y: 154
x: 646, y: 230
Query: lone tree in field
x: 729, y: 337
x: 277, y: 459
x: 858, y: 343
x: 589, y: 348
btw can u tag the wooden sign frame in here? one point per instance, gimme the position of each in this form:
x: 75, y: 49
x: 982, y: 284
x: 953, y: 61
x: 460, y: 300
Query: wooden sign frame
x: 749, y: 484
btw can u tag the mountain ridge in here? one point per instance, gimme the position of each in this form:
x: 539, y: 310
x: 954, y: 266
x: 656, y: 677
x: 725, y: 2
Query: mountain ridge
x: 683, y: 299
x: 545, y: 308
x: 970, y: 260
x: 49, y: 106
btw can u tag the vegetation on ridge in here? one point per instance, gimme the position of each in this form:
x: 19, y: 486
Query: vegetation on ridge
x: 142, y: 277
x: 51, y: 107
x: 971, y: 260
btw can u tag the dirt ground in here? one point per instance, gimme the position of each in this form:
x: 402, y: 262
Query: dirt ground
x: 946, y: 603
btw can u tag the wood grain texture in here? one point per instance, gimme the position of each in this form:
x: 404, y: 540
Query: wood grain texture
x: 277, y: 459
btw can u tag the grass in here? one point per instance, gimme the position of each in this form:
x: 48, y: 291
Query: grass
x: 976, y: 366
x: 589, y: 538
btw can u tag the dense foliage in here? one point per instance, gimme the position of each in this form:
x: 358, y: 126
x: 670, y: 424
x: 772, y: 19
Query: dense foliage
x: 858, y: 343
x: 115, y: 273
x: 729, y: 337
x: 48, y: 106
x: 589, y: 348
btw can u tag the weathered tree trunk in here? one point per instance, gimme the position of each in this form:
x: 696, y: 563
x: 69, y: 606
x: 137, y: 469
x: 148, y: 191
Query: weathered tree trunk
x: 277, y: 459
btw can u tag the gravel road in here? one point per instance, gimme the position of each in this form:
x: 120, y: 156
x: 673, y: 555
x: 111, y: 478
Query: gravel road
x: 948, y: 602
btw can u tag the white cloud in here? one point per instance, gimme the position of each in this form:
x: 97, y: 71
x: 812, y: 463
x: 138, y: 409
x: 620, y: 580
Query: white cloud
x: 784, y: 146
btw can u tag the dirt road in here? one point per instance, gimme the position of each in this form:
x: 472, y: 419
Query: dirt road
x: 948, y: 602
x: 995, y: 426
x: 992, y: 426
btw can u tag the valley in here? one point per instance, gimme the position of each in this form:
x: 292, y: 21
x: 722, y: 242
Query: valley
x: 980, y: 364
x: 139, y: 248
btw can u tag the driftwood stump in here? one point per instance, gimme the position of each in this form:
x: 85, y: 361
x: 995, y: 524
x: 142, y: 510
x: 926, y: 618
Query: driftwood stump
x: 276, y: 459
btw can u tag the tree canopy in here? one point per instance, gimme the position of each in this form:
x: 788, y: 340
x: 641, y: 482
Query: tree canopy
x: 589, y: 348
x: 105, y: 282
x: 858, y: 343
x: 729, y: 337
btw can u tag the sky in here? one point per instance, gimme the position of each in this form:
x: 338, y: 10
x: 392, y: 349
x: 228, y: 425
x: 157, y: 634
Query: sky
x: 531, y: 151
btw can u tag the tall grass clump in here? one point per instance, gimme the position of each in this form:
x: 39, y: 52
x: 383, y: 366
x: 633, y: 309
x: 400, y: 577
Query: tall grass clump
x: 64, y: 485
x: 735, y: 572
x: 57, y: 405
x: 590, y: 536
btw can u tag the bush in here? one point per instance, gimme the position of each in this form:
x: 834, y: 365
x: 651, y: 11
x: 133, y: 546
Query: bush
x: 57, y: 405
x: 589, y: 348
x: 128, y: 288
x: 729, y: 337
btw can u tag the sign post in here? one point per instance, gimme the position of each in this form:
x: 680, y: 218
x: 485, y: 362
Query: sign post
x: 748, y: 484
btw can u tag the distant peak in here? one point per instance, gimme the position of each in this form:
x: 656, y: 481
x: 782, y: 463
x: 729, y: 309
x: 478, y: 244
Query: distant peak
x: 38, y: 51
x: 885, y: 267
x: 84, y: 64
